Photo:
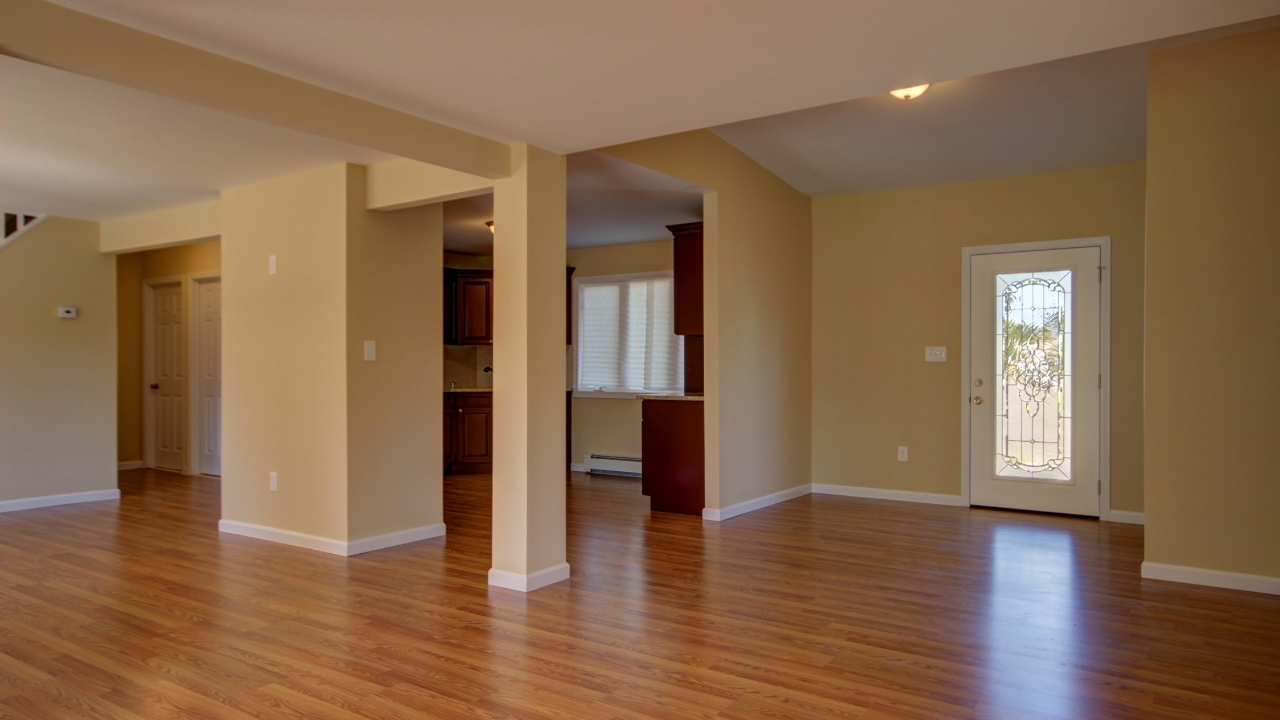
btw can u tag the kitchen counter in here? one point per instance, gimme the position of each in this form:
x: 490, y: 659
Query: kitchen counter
x: 686, y: 398
x: 457, y: 390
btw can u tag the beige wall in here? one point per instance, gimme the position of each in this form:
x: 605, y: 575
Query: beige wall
x: 162, y: 228
x: 1213, y: 313
x: 887, y: 283
x: 284, y: 353
x: 356, y: 444
x: 181, y: 260
x: 57, y: 377
x: 131, y: 270
x: 395, y: 427
x: 757, y: 306
x: 611, y: 426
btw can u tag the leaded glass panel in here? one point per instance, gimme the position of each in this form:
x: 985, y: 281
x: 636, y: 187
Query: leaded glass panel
x: 1033, y: 368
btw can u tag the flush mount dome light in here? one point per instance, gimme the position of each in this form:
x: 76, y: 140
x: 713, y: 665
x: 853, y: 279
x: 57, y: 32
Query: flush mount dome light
x: 911, y: 92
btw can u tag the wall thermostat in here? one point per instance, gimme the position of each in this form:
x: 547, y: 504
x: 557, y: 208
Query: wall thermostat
x: 65, y: 312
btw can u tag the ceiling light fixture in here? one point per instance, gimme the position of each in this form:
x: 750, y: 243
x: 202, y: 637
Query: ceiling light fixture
x: 490, y: 224
x: 911, y: 92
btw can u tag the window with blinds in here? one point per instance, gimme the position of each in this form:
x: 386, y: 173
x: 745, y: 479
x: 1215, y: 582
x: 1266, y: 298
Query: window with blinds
x: 626, y: 336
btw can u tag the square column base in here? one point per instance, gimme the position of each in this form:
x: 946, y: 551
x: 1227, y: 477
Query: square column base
x: 530, y: 582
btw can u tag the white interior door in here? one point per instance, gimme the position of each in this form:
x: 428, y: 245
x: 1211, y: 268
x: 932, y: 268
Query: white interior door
x: 1035, y: 380
x: 209, y: 377
x: 168, y: 381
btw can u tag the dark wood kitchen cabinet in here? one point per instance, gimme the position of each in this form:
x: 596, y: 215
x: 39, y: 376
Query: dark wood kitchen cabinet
x: 468, y: 433
x: 688, y: 277
x: 450, y: 430
x: 673, y: 474
x: 468, y: 307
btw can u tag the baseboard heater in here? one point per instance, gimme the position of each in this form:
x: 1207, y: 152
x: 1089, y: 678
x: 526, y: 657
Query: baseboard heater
x: 613, y: 465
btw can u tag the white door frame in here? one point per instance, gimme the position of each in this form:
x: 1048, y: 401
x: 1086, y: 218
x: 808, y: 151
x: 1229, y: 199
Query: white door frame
x: 1104, y: 351
x: 195, y: 418
x: 149, y: 363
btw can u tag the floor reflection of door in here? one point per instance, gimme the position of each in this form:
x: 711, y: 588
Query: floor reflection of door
x: 1034, y: 625
x: 1035, y: 380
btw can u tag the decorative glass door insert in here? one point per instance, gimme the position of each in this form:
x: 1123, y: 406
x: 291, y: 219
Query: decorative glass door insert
x: 1033, y: 375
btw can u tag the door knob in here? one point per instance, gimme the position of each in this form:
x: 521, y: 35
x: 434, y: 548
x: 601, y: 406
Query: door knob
x: 977, y: 400
x: 155, y: 386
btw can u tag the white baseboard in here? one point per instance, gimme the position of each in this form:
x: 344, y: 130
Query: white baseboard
x: 284, y: 537
x: 329, y: 545
x: 530, y: 582
x: 742, y: 508
x: 882, y: 494
x: 131, y: 465
x: 403, y: 537
x: 53, y: 500
x: 577, y: 467
x: 1212, y: 578
x: 1126, y: 516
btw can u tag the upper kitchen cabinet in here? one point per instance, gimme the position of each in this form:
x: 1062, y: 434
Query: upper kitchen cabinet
x: 468, y: 307
x: 688, y: 277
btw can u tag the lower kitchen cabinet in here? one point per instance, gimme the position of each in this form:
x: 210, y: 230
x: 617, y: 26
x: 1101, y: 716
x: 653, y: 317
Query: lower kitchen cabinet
x: 468, y: 433
x: 450, y: 430
x: 673, y: 474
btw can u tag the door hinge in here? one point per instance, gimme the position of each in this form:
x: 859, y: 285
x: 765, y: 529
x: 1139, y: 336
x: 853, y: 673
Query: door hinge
x: 1099, y: 273
x: 1099, y: 381
x: 1099, y: 488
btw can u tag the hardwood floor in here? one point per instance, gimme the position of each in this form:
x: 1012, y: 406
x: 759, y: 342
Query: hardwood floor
x: 821, y: 607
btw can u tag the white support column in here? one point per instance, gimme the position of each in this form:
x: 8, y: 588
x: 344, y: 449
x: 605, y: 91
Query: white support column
x: 529, y: 372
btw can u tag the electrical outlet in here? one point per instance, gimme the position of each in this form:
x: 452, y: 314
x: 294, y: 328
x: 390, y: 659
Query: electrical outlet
x: 370, y: 350
x: 902, y: 453
x: 275, y: 481
x: 935, y: 354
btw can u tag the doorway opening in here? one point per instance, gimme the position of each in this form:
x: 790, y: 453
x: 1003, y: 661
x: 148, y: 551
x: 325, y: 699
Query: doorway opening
x: 170, y: 359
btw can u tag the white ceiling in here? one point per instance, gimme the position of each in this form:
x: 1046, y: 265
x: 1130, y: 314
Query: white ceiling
x: 570, y: 76
x: 573, y: 75
x: 1079, y: 112
x: 1083, y: 111
x: 610, y: 202
x: 464, y: 225
x: 77, y: 147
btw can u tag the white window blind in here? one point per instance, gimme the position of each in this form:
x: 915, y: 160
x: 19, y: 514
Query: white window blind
x: 626, y: 336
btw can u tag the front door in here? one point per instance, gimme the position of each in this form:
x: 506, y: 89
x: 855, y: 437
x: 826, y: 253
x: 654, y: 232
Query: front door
x: 1035, y: 379
x: 168, y: 381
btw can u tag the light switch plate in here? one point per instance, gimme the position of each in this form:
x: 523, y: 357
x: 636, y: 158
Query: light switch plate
x: 274, y: 481
x: 370, y: 350
x: 902, y: 454
x: 271, y: 264
x: 935, y: 354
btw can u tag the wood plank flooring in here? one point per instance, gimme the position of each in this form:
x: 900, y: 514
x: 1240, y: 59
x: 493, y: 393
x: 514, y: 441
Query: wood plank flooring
x: 821, y: 607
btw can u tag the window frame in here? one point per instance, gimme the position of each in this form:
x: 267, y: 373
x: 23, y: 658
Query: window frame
x: 576, y: 347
